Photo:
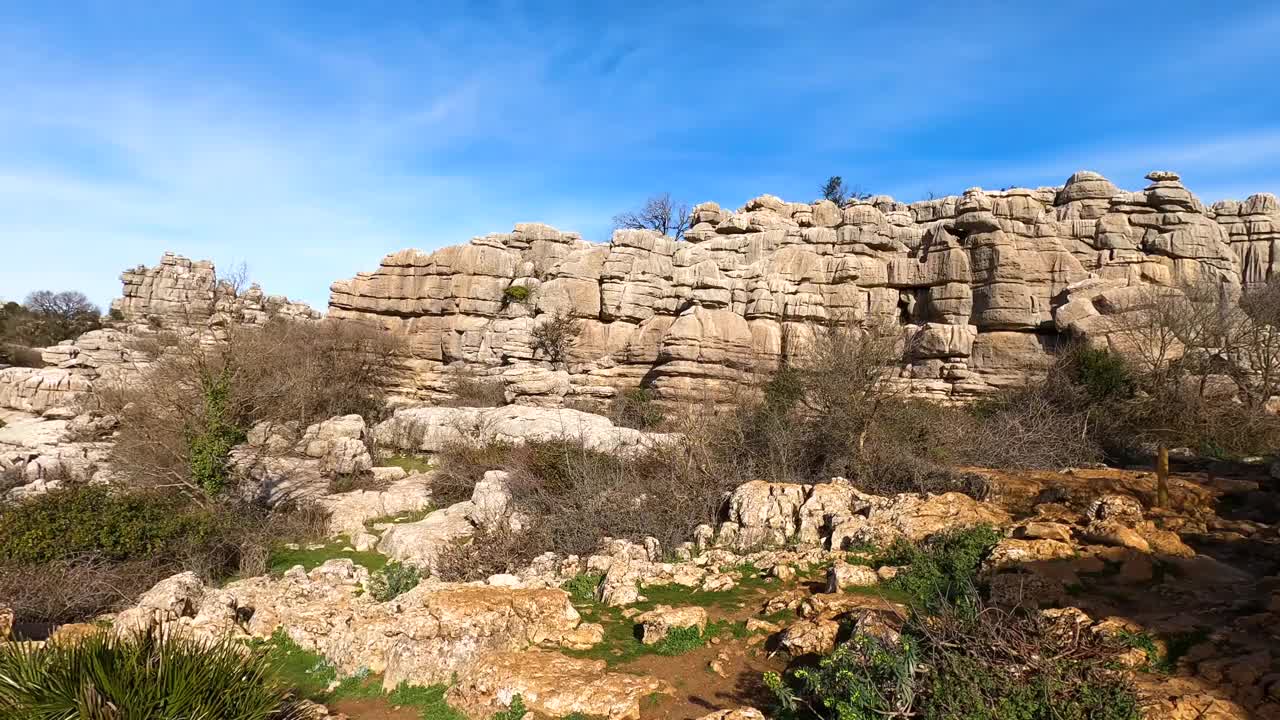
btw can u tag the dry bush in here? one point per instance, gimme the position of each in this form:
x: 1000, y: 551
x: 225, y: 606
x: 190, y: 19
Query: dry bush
x: 197, y: 399
x: 573, y: 496
x: 74, y: 589
x: 555, y: 336
x: 490, y: 551
x: 460, y: 465
x: 1025, y: 429
x: 20, y: 356
x: 1179, y: 341
x: 471, y: 389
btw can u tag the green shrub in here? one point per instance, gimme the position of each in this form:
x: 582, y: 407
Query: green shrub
x: 94, y: 520
x: 1105, y: 375
x: 516, y: 293
x: 393, y: 580
x: 140, y: 676
x: 210, y: 441
x: 863, y: 678
x: 944, y: 569
x: 515, y: 711
x: 582, y: 588
x: 93, y: 548
x: 963, y: 663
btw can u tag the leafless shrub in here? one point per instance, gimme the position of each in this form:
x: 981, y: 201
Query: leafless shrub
x: 1179, y: 341
x: 574, y: 496
x: 555, y: 336
x: 659, y: 213
x: 489, y: 552
x: 74, y: 589
x: 284, y: 371
x: 348, y: 482
x: 1025, y: 429
x: 460, y: 465
x: 471, y: 389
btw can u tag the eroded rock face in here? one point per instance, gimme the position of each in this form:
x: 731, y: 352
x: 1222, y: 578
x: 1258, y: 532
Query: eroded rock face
x: 41, y: 454
x: 981, y: 276
x: 837, y: 515
x: 422, y: 637
x: 282, y: 464
x: 432, y: 429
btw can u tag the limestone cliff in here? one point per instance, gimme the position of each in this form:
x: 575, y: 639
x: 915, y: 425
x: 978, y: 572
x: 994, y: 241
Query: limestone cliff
x: 981, y: 275
x: 179, y: 295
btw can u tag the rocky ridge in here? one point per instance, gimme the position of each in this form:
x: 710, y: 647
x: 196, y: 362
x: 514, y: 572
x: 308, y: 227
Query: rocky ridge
x: 982, y: 277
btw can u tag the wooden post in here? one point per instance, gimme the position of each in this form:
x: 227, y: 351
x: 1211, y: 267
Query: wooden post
x: 1162, y: 476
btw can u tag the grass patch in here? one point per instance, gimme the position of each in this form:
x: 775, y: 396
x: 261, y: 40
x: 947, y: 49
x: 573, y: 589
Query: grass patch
x: 397, y: 518
x: 283, y: 558
x: 314, y: 678
x: 306, y: 672
x: 582, y: 588
x: 410, y: 463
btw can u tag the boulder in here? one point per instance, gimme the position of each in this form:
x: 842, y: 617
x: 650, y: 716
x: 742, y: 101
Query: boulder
x: 420, y: 543
x: 842, y: 575
x: 657, y: 623
x: 551, y: 685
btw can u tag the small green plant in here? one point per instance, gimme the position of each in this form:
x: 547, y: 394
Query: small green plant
x: 863, y: 678
x: 516, y: 293
x: 393, y: 580
x: 1163, y: 661
x: 942, y: 570
x: 679, y: 641
x: 211, y: 441
x: 515, y: 711
x: 137, y: 676
x: 582, y: 588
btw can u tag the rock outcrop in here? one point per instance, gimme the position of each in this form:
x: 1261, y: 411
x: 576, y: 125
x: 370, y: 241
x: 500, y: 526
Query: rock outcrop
x: 430, y: 429
x: 981, y: 277
x: 179, y: 295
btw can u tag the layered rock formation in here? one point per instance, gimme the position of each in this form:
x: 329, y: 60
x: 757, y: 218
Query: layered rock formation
x: 979, y: 276
x: 178, y: 295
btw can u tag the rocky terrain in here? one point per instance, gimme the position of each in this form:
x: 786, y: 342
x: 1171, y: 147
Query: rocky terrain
x: 1197, y: 580
x: 989, y: 283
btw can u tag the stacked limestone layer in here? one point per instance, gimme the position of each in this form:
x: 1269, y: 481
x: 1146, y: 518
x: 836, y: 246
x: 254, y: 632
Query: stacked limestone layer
x: 179, y: 295
x: 979, y: 275
x: 188, y: 293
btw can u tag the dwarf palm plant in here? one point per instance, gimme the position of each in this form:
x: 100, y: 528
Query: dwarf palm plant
x: 143, y: 676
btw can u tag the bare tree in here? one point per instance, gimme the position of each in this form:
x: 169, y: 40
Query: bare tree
x: 555, y: 336
x: 1204, y: 360
x: 52, y: 317
x: 659, y: 213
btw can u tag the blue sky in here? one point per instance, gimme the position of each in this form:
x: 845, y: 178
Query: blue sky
x: 309, y: 139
